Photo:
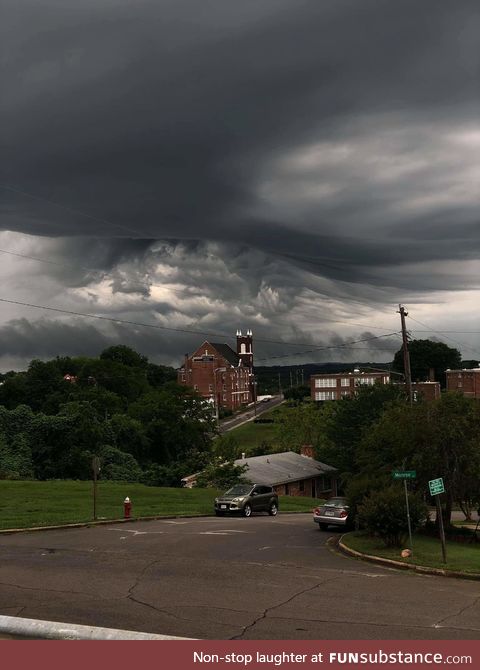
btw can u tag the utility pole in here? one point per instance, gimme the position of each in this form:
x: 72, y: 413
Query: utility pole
x: 302, y: 376
x: 279, y: 385
x: 291, y: 385
x: 406, y: 355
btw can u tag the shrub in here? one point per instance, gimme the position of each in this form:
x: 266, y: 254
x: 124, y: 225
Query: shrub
x: 384, y: 514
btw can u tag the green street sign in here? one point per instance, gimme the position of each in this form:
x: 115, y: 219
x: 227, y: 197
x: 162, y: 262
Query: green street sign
x: 404, y: 474
x: 436, y: 486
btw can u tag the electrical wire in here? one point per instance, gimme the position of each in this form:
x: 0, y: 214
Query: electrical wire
x: 185, y: 330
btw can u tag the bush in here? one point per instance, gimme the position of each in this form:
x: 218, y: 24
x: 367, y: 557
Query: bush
x: 384, y: 514
x: 118, y: 465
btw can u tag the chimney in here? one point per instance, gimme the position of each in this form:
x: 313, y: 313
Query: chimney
x: 307, y: 450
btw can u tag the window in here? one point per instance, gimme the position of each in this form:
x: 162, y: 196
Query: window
x: 195, y: 388
x: 364, y: 381
x: 224, y: 397
x: 345, y: 381
x: 325, y: 383
x: 224, y: 387
x: 345, y: 394
x: 210, y: 387
x: 325, y: 395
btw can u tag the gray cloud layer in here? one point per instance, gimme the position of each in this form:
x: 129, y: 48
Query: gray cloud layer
x: 315, y: 146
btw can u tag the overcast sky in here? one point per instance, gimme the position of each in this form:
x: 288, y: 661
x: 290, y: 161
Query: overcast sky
x: 296, y: 167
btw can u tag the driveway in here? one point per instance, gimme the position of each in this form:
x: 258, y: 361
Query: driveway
x: 226, y: 578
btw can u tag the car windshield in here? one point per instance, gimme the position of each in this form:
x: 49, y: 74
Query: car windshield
x: 336, y: 502
x: 239, y: 490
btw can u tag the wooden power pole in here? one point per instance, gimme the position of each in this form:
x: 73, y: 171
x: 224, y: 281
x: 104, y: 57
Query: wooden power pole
x: 406, y: 355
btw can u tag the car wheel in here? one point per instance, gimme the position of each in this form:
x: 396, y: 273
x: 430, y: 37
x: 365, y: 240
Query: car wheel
x: 273, y: 509
x: 247, y: 510
x: 322, y: 526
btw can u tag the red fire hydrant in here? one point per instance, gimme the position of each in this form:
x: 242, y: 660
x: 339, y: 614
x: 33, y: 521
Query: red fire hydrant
x: 127, y: 508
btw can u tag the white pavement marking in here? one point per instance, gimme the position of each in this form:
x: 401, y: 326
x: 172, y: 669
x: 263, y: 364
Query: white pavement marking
x: 263, y: 548
x: 177, y: 523
x: 137, y: 532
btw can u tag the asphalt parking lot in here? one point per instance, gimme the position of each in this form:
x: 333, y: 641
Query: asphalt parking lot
x: 226, y: 578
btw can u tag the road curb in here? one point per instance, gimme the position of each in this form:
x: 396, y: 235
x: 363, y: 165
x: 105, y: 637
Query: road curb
x: 19, y: 628
x: 404, y: 566
x: 102, y: 522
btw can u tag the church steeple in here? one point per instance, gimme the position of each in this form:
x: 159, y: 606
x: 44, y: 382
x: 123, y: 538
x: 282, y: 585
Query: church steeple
x: 245, y: 348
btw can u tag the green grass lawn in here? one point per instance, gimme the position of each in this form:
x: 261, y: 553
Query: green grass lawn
x: 252, y: 435
x: 427, y: 551
x: 28, y: 503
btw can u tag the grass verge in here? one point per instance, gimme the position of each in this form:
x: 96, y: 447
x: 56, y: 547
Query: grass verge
x: 25, y: 504
x: 427, y: 551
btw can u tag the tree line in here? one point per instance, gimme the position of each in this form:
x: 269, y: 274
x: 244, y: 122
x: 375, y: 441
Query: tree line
x: 57, y: 415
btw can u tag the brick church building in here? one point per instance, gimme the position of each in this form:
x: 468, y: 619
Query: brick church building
x: 220, y: 374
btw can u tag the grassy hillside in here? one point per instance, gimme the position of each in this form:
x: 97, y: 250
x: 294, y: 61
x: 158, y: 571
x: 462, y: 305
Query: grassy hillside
x: 28, y: 503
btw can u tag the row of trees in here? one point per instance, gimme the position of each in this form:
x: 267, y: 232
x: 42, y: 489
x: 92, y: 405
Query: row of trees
x: 59, y: 414
x: 369, y: 436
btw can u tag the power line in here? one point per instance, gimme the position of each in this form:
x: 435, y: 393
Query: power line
x: 329, y: 347
x: 7, y: 187
x: 442, y: 334
x: 177, y: 330
x: 152, y: 285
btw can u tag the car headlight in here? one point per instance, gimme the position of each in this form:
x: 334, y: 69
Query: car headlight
x: 238, y: 500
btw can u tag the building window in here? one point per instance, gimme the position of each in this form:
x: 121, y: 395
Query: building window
x: 345, y: 394
x: 345, y: 381
x: 210, y: 387
x: 325, y: 383
x: 183, y: 377
x: 195, y: 388
x: 224, y: 398
x: 364, y: 381
x: 224, y: 387
x: 325, y: 395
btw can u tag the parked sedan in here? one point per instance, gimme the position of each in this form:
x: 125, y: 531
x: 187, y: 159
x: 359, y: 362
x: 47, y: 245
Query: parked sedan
x: 247, y: 498
x: 335, y: 512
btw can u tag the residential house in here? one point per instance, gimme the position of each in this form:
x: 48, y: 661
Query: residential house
x: 292, y: 474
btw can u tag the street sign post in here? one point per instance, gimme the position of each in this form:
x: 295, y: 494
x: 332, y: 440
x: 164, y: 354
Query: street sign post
x: 436, y: 488
x: 96, y: 470
x: 406, y: 474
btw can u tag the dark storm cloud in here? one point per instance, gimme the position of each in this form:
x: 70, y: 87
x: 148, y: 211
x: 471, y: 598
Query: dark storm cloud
x: 234, y: 164
x: 162, y: 119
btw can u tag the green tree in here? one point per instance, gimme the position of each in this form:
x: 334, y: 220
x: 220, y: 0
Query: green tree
x: 426, y: 355
x: 120, y: 353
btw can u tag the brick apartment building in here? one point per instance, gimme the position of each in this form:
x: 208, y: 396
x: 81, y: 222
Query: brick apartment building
x: 220, y: 374
x: 465, y: 381
x: 426, y: 390
x: 344, y: 384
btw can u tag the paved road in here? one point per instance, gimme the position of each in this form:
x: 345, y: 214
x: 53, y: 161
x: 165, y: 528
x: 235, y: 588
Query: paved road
x: 229, y: 424
x: 226, y: 578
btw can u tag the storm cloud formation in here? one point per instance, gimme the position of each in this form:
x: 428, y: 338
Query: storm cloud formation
x: 295, y: 167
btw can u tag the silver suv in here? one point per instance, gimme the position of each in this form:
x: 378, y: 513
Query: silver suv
x: 246, y: 499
